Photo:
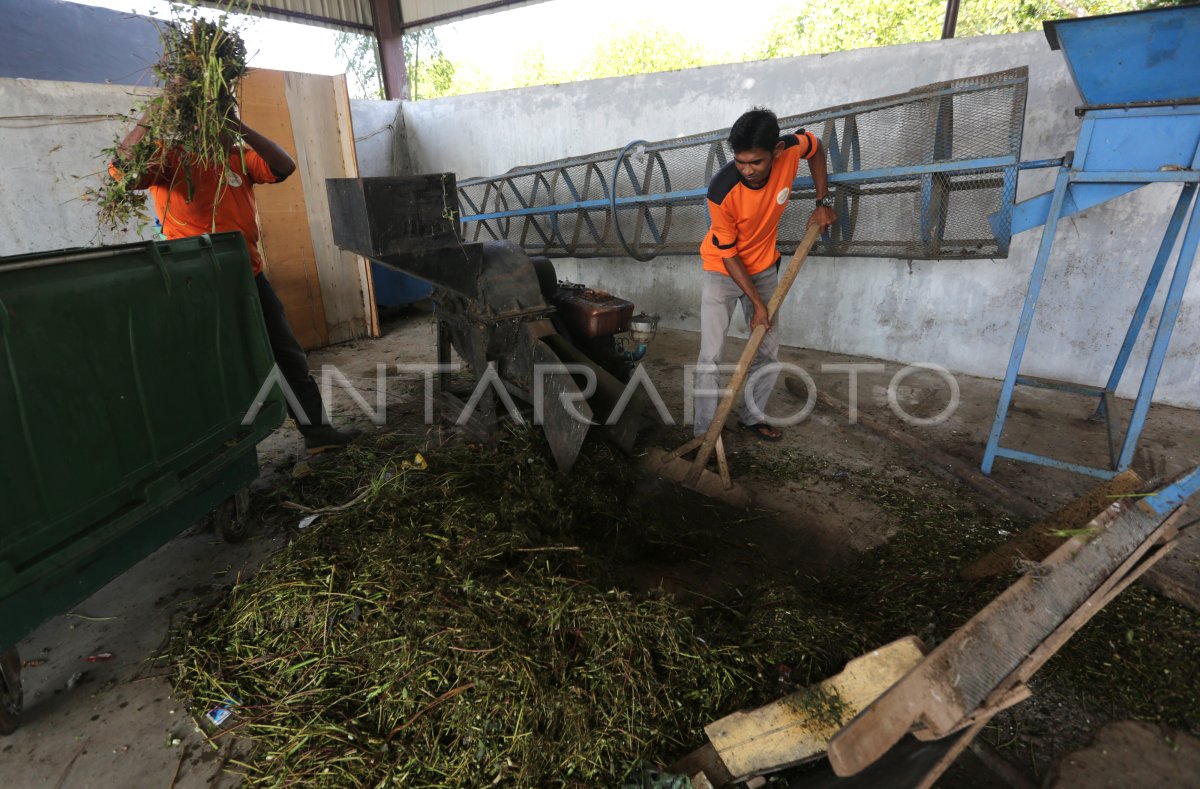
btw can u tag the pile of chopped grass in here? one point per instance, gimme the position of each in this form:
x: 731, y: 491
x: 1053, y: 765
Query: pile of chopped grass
x: 459, y: 627
x: 468, y: 624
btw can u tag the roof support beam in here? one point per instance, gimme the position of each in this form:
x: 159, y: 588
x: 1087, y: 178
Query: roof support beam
x: 950, y: 21
x: 389, y: 35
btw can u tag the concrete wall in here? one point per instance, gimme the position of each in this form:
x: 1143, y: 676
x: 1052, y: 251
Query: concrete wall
x: 960, y: 314
x: 380, y: 149
x: 53, y: 140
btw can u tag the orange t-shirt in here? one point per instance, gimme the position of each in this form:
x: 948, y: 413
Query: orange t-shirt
x: 745, y: 221
x: 215, y: 206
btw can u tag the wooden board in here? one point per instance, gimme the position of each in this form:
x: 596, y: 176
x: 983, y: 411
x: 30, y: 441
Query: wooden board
x: 327, y: 293
x: 1016, y: 629
x: 289, y: 259
x: 320, y: 116
x: 1178, y: 576
x: 790, y: 731
x: 1040, y: 540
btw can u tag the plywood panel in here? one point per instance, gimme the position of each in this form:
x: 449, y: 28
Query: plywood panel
x: 320, y: 117
x: 288, y: 254
x: 350, y: 160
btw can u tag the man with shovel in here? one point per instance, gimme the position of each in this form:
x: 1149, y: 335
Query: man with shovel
x: 746, y: 200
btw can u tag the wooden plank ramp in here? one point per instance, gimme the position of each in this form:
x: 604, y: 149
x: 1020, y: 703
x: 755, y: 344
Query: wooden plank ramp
x: 983, y: 665
x: 798, y: 727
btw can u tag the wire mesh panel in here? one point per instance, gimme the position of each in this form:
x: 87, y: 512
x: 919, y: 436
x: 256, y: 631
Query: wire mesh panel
x: 926, y: 174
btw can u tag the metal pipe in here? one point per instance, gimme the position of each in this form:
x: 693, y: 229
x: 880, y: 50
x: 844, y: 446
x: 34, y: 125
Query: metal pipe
x: 951, y: 21
x: 882, y: 175
x: 389, y: 38
x: 73, y: 257
x: 1134, y: 105
x: 1038, y: 164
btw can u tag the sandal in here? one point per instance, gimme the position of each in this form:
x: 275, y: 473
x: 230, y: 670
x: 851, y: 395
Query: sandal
x: 763, y: 430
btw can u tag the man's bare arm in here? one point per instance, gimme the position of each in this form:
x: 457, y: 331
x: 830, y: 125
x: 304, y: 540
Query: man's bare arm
x: 125, y: 150
x: 135, y: 135
x: 816, y: 166
x: 280, y: 162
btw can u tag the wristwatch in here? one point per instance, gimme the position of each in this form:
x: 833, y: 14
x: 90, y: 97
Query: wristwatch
x: 825, y: 202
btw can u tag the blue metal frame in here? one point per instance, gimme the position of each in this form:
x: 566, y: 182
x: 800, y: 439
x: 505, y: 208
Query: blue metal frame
x: 1143, y: 307
x: 1179, y: 491
x: 1061, y: 204
x: 1026, y: 322
x: 682, y: 197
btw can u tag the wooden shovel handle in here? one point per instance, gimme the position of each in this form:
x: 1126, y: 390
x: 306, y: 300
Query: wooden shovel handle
x: 752, y: 346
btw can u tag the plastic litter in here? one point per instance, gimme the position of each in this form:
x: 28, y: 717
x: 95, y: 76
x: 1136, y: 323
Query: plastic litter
x: 218, y: 716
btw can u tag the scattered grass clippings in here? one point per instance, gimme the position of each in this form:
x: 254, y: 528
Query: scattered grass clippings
x: 825, y: 710
x: 1138, y: 658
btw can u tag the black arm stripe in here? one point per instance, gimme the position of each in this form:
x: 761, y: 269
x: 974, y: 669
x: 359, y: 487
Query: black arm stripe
x: 723, y: 183
x: 719, y: 245
x: 794, y: 139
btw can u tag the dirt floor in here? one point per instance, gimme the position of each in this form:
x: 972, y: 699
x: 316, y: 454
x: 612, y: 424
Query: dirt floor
x: 115, y: 722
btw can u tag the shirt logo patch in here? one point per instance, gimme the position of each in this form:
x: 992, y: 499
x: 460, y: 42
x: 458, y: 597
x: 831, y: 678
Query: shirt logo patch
x: 783, y: 195
x: 232, y: 178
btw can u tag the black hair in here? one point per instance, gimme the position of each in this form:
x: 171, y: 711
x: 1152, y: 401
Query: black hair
x: 757, y: 128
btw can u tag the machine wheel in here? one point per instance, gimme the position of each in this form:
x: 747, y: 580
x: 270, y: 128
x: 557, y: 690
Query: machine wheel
x: 10, y: 691
x: 230, y: 517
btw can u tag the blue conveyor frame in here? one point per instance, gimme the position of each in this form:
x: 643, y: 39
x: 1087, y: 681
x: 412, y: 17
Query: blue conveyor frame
x: 1141, y: 126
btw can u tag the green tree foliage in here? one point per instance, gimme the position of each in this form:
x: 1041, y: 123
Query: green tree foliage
x: 991, y: 17
x: 430, y: 73
x: 642, y: 51
x: 534, y: 70
x: 853, y: 24
x: 362, y: 64
x: 811, y: 28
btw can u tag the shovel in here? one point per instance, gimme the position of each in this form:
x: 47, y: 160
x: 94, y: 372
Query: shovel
x: 692, y: 473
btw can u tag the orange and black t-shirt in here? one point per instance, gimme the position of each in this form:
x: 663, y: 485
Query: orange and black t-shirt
x: 192, y: 201
x: 745, y: 221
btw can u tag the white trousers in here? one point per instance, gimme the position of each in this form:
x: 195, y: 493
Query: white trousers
x: 720, y: 295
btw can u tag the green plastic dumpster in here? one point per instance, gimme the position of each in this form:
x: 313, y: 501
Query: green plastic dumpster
x: 126, y: 373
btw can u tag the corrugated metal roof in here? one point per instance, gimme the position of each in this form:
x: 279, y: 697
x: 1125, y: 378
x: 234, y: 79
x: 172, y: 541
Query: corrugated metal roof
x: 356, y: 14
x: 418, y: 11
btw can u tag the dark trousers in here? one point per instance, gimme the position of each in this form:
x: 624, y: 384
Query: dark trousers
x: 291, y: 359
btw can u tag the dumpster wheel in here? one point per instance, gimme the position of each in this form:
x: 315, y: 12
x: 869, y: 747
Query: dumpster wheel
x: 230, y: 518
x: 10, y: 691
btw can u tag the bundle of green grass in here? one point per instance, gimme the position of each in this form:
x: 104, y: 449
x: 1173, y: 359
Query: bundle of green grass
x: 193, y: 117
